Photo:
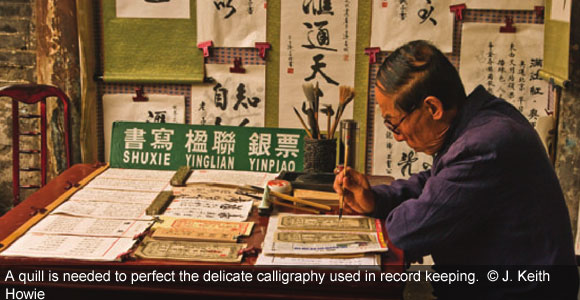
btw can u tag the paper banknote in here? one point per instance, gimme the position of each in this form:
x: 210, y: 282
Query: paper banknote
x: 190, y: 251
x: 239, y: 228
x: 326, y: 222
x: 194, y: 235
x: 323, y: 237
x: 316, y: 235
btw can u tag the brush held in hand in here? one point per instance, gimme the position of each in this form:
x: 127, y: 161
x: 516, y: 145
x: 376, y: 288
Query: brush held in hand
x: 341, y: 202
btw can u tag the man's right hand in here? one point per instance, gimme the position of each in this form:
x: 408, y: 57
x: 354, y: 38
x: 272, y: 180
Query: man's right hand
x: 357, y: 191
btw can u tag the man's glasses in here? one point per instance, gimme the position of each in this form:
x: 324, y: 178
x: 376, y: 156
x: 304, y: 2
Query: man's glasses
x: 395, y: 128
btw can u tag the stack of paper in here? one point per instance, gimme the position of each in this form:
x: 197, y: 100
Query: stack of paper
x: 56, y: 224
x: 204, y: 191
x: 205, y: 219
x: 99, y: 195
x: 366, y: 260
x: 190, y: 251
x: 70, y: 247
x: 98, y: 222
x: 313, y: 239
x: 235, y: 178
x: 206, y: 209
x: 200, y: 230
x: 208, y: 202
x: 104, y: 210
x: 197, y: 240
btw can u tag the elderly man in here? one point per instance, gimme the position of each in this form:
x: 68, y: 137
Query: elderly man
x: 491, y: 198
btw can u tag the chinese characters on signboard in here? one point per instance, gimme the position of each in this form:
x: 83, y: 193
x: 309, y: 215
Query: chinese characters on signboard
x: 231, y: 23
x: 169, y: 146
x: 396, y: 22
x: 233, y: 99
x: 317, y: 45
x: 506, y: 64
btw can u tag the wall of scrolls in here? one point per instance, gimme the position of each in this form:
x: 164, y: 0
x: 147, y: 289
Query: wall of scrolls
x: 382, y: 156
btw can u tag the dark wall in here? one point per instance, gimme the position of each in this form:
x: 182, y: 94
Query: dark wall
x: 38, y: 44
x: 17, y: 65
x: 568, y: 148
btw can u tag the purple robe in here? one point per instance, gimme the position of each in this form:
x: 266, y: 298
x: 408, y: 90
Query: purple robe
x: 491, y: 197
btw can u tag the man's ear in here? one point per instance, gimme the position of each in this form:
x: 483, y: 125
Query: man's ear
x: 435, y: 107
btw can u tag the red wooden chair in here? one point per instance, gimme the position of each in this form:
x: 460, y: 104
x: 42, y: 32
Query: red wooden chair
x: 31, y: 94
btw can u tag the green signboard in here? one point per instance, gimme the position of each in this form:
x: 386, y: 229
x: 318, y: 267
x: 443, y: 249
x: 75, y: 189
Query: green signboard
x: 164, y: 146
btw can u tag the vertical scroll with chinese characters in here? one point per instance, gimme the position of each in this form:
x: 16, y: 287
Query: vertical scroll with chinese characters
x: 231, y: 23
x: 234, y: 99
x: 500, y: 4
x: 158, y: 109
x: 395, y: 158
x: 506, y: 64
x: 317, y: 44
x: 396, y: 22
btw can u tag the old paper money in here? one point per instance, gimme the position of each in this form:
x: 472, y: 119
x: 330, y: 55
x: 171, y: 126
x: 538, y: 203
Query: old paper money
x: 190, y: 251
x: 316, y: 235
x: 238, y: 228
x: 326, y: 223
x: 310, y: 237
x: 194, y: 235
x: 321, y: 243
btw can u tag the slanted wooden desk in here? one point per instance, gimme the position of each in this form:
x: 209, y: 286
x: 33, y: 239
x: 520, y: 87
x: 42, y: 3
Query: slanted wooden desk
x: 392, y: 262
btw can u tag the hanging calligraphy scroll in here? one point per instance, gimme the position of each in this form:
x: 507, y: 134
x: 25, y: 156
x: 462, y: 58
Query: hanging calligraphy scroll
x: 174, y: 9
x: 158, y: 109
x: 506, y: 64
x: 231, y: 23
x: 561, y: 10
x: 317, y: 45
x: 394, y: 158
x: 150, y: 49
x: 234, y: 99
x: 557, y: 42
x: 398, y: 22
x: 500, y: 4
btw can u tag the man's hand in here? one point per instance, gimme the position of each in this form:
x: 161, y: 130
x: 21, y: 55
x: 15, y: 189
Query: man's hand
x: 358, y: 196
